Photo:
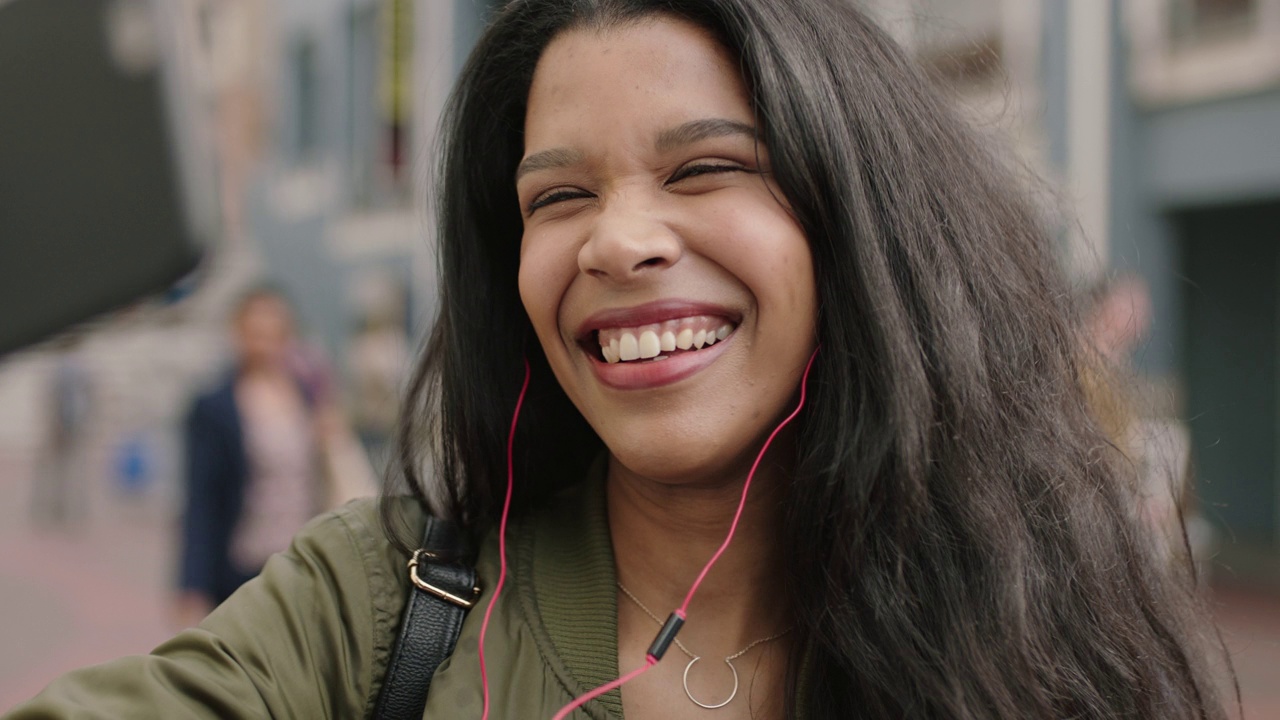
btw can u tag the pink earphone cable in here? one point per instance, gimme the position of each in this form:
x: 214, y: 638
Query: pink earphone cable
x: 679, y: 614
x: 502, y: 537
x: 742, y: 503
x: 649, y: 661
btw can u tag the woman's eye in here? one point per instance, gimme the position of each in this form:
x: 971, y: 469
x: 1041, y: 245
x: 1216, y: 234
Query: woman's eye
x: 555, y: 196
x: 697, y: 169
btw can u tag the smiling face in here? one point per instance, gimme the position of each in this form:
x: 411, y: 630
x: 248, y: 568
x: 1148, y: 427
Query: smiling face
x: 669, y: 286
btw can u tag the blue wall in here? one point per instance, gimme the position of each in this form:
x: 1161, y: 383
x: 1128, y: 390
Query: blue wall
x: 1226, y: 151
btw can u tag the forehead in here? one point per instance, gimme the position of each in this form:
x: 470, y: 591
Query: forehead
x: 632, y: 78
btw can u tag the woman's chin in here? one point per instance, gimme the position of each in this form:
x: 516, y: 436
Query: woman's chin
x: 672, y: 466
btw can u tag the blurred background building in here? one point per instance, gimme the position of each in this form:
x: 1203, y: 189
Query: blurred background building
x: 1157, y: 125
x: 1148, y: 129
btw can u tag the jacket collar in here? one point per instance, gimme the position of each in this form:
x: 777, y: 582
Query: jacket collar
x: 572, y: 577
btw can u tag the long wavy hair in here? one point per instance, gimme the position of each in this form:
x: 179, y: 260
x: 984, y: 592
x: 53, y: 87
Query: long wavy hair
x: 960, y: 536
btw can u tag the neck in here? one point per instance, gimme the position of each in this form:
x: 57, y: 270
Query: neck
x: 664, y: 534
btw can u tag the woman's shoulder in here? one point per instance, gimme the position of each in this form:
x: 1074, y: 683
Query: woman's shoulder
x: 348, y: 579
x: 352, y: 538
x: 346, y: 555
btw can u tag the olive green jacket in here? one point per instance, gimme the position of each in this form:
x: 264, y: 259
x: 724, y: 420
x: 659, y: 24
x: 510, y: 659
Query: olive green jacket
x: 311, y: 636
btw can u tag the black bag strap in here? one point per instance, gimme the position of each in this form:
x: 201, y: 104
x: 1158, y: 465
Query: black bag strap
x: 444, y: 589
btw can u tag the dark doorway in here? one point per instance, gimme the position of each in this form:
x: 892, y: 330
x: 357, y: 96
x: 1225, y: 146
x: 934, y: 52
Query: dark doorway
x: 1231, y: 265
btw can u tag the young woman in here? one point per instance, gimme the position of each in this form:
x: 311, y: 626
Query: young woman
x: 687, y: 216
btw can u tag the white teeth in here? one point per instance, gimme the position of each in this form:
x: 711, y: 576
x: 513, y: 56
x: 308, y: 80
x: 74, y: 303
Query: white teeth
x: 628, y: 348
x: 668, y: 341
x: 649, y: 345
x: 656, y: 341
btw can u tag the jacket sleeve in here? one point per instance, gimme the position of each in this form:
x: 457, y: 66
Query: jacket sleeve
x: 305, y: 639
x: 205, y: 464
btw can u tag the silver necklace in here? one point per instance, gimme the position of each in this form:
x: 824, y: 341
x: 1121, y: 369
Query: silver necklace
x: 695, y: 658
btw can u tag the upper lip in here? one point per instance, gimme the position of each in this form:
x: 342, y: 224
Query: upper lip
x: 650, y: 313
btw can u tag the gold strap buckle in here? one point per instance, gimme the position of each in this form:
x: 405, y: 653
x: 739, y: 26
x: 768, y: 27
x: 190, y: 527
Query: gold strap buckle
x: 464, y: 603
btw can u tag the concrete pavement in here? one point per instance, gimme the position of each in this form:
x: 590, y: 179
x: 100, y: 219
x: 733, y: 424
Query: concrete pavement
x: 76, y: 596
x: 1250, y: 625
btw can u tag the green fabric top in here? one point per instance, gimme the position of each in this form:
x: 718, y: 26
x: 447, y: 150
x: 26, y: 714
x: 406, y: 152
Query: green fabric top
x: 311, y: 636
x: 572, y: 550
x: 553, y: 634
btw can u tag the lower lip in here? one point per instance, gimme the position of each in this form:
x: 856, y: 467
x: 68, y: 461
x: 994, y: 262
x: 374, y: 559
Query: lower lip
x: 646, y: 374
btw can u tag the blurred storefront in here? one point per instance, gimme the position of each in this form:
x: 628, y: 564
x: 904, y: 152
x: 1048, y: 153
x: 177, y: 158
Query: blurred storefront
x: 1157, y: 126
x: 338, y: 207
x: 338, y: 211
x: 1196, y: 177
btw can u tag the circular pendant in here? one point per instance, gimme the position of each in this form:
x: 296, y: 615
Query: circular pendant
x: 698, y: 702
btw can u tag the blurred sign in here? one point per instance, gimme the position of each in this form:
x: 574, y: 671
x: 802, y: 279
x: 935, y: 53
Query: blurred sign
x: 106, y: 186
x: 395, y: 83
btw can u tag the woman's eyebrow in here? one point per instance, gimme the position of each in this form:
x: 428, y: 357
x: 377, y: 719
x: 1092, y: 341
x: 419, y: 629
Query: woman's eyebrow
x: 696, y: 130
x: 547, y: 160
x: 683, y: 134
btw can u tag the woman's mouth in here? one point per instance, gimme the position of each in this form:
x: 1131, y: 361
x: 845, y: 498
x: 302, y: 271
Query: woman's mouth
x: 657, y: 341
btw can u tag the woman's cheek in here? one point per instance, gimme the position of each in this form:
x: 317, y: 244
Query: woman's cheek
x: 543, y: 279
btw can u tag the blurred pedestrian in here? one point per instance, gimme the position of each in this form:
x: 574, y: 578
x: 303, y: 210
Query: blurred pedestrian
x: 58, y: 493
x: 377, y: 362
x: 1117, y: 316
x: 255, y: 449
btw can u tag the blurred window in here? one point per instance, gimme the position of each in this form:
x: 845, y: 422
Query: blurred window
x: 1192, y: 50
x: 306, y: 106
x: 959, y: 41
x: 363, y: 120
x: 1200, y: 20
x: 204, y: 27
x: 380, y: 73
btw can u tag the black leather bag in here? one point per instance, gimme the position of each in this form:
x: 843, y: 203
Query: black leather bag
x: 444, y: 590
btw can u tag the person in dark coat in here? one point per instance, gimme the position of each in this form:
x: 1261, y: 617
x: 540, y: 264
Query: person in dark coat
x: 251, y: 470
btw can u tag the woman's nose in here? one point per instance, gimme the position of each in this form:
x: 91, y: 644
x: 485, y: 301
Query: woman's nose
x: 626, y: 243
